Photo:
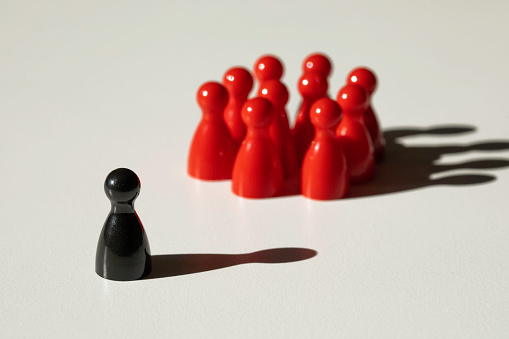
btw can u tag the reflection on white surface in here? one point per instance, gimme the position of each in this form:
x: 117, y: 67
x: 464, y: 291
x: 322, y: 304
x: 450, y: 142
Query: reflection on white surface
x: 243, y: 216
x: 106, y: 287
x: 309, y: 209
x: 198, y: 187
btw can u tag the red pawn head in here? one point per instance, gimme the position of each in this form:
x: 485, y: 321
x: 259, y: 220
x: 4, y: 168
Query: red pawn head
x: 257, y: 113
x: 317, y: 63
x: 325, y: 113
x: 313, y: 85
x: 238, y: 81
x: 353, y: 100
x: 276, y: 92
x: 363, y: 77
x: 268, y: 67
x: 212, y: 98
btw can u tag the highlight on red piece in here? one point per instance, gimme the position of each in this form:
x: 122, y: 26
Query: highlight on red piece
x: 317, y: 62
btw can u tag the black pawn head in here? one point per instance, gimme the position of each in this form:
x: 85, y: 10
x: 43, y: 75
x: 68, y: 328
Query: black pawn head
x: 122, y: 186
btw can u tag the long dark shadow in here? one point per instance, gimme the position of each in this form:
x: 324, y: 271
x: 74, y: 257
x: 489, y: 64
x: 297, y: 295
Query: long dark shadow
x: 411, y: 167
x: 170, y: 265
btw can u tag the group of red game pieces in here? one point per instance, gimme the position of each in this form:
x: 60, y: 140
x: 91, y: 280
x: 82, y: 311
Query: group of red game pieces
x: 332, y: 144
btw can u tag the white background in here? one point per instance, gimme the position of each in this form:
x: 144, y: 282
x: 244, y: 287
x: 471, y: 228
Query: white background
x: 89, y: 86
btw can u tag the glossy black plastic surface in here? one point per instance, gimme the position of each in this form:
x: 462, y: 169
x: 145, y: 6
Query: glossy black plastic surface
x: 123, y: 252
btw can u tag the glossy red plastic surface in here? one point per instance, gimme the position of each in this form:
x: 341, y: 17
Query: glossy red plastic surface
x: 353, y: 134
x: 279, y: 130
x: 317, y: 62
x: 212, y: 150
x: 324, y: 169
x: 239, y: 83
x: 257, y: 171
x: 268, y: 67
x: 366, y: 78
x: 312, y: 86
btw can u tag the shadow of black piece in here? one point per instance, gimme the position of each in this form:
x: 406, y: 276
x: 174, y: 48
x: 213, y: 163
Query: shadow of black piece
x: 171, y: 265
x: 410, y: 167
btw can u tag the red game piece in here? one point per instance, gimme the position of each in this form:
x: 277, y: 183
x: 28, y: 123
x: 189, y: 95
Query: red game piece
x: 279, y: 130
x: 257, y: 171
x: 312, y: 86
x: 212, y: 150
x: 324, y: 169
x: 354, y: 136
x: 365, y: 78
x: 267, y: 67
x: 317, y: 62
x: 239, y: 82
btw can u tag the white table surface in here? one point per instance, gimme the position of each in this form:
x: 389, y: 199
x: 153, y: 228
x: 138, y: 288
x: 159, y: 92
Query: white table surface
x: 89, y: 86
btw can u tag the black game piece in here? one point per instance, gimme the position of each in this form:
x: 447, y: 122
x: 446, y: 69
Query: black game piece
x: 123, y: 252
